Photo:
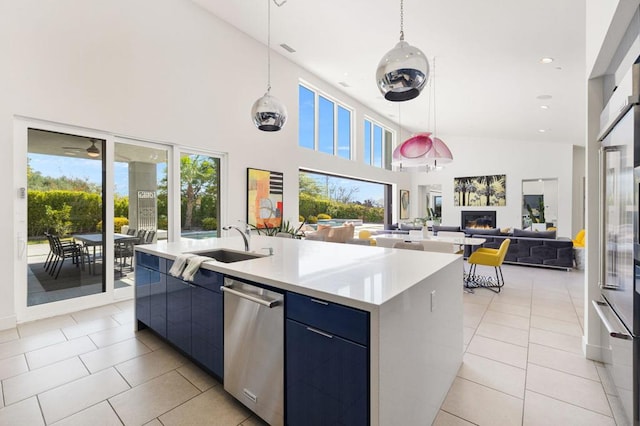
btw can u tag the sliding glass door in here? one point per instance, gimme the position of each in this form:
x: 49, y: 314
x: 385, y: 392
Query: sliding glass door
x: 140, y: 212
x: 65, y: 197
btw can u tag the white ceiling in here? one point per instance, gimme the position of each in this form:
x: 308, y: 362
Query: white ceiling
x: 488, y: 74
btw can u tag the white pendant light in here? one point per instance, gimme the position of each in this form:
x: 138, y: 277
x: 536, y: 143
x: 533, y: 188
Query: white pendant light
x: 403, y: 72
x: 269, y: 114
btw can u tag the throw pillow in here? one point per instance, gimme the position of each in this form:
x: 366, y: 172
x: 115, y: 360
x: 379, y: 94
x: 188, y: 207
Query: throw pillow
x: 437, y: 228
x: 534, y: 234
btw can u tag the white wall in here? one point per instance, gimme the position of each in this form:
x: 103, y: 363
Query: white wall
x: 164, y: 71
x: 167, y: 71
x: 518, y: 161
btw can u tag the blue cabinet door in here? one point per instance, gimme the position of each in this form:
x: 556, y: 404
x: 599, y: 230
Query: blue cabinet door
x: 143, y: 288
x: 158, y: 303
x: 179, y: 313
x: 206, y: 329
x: 326, y: 378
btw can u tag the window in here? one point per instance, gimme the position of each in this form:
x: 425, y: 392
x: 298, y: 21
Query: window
x: 324, y: 125
x: 343, y: 199
x: 378, y: 141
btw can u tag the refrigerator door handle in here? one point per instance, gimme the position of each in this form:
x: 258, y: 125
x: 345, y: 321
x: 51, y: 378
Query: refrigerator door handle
x: 617, y: 332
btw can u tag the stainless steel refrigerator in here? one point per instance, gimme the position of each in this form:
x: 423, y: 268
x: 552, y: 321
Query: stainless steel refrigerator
x: 619, y: 305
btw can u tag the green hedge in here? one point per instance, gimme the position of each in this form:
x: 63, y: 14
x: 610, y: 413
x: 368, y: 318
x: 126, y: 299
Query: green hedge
x: 48, y: 209
x: 311, y: 207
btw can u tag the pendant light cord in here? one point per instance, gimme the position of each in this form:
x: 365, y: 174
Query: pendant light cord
x: 401, y: 20
x: 269, y: 46
x: 269, y: 40
x: 435, y: 121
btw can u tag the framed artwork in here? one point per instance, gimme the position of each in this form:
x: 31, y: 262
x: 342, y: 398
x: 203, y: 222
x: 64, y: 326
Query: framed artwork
x: 264, y: 198
x: 404, y: 204
x: 480, y: 191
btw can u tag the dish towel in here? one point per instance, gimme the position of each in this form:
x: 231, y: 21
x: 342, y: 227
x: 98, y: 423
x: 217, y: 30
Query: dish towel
x: 179, y: 264
x: 193, y: 264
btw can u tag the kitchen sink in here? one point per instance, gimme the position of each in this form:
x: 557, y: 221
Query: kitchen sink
x: 229, y: 256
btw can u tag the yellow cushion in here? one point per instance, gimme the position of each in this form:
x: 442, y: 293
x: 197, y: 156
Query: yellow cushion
x: 364, y: 234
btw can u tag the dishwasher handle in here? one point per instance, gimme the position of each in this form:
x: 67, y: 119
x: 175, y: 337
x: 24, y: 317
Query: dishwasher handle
x: 599, y: 306
x: 264, y: 302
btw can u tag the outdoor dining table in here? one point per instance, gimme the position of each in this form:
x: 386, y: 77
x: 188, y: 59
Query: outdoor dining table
x: 96, y: 240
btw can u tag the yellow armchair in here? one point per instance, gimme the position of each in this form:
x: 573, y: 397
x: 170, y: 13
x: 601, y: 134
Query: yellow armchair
x: 487, y: 257
x: 579, y: 239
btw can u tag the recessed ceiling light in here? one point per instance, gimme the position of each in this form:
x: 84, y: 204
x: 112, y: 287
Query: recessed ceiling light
x: 546, y: 60
x: 541, y: 130
x: 544, y: 106
x: 544, y: 97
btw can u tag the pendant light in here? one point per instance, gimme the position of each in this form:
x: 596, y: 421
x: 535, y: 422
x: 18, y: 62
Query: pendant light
x: 403, y: 72
x: 93, y: 150
x: 269, y: 114
x: 423, y: 149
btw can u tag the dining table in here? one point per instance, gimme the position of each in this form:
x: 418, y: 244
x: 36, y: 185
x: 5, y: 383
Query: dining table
x: 97, y: 239
x: 388, y: 240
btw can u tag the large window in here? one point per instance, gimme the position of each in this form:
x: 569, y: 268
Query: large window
x: 342, y: 199
x: 324, y: 124
x: 378, y: 142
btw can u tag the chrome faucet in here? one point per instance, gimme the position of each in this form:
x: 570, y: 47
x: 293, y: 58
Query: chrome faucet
x: 246, y: 233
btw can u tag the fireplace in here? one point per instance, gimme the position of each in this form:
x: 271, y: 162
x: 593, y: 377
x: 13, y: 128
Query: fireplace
x: 478, y: 219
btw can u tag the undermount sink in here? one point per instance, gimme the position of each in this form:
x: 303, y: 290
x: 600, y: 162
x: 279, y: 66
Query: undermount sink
x: 229, y: 256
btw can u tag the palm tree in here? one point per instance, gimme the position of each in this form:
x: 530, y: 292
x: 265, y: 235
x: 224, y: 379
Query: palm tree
x: 198, y: 176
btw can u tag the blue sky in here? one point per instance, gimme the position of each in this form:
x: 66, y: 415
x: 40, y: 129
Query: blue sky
x: 90, y: 170
x: 81, y: 168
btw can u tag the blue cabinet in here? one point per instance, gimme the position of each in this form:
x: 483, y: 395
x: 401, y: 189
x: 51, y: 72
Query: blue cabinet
x: 188, y: 314
x: 179, y: 313
x: 327, y: 363
x: 150, y: 292
x: 207, y: 319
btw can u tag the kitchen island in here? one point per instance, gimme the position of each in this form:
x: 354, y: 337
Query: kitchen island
x: 411, y: 302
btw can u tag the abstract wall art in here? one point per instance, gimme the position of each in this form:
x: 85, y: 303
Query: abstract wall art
x: 480, y: 191
x: 404, y: 204
x: 264, y: 198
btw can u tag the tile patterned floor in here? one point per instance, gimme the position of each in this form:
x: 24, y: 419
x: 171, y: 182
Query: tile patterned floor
x: 523, y: 365
x: 523, y: 362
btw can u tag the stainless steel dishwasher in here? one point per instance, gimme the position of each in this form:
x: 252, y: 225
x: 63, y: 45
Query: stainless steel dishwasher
x: 254, y: 348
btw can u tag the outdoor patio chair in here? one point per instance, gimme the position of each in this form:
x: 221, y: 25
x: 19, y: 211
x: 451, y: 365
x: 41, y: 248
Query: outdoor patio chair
x: 148, y: 239
x: 123, y: 251
x: 141, y: 233
x: 131, y: 231
x: 66, y: 250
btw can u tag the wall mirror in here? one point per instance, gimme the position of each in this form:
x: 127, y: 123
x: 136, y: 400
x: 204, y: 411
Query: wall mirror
x: 539, y: 204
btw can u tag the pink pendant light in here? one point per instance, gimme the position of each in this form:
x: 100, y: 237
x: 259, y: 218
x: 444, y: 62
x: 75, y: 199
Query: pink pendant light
x: 413, y: 152
x: 440, y: 152
x: 422, y: 149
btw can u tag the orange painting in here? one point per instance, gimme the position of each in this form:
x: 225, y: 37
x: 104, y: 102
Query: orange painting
x: 264, y: 198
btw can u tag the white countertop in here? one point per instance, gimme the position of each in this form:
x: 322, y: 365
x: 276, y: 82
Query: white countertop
x: 359, y: 276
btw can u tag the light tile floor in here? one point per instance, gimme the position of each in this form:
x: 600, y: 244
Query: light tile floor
x: 523, y: 362
x: 523, y: 365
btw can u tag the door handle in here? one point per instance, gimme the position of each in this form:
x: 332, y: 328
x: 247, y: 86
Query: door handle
x: 600, y: 306
x: 264, y: 302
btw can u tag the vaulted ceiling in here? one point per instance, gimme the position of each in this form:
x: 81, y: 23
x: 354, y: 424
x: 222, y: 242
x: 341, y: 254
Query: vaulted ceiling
x: 489, y: 78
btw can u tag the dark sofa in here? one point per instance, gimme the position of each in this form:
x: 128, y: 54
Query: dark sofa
x: 527, y: 247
